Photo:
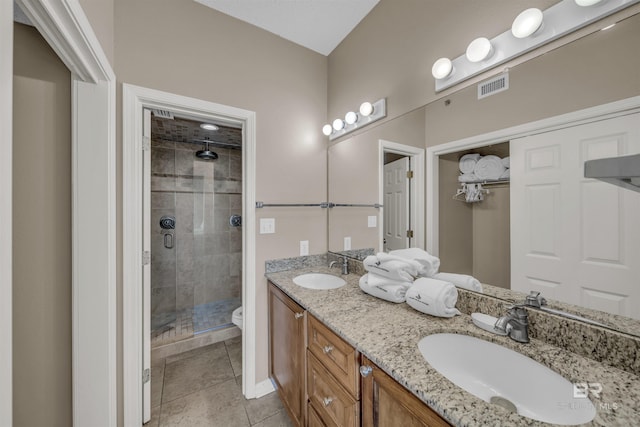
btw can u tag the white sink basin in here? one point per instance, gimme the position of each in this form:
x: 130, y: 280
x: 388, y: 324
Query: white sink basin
x: 318, y: 281
x: 494, y: 373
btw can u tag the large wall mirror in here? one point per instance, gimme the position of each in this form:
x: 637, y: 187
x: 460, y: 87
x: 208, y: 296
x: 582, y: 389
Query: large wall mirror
x: 477, y: 238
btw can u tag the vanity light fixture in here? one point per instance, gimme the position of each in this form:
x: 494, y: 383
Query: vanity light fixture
x: 479, y: 49
x: 350, y: 118
x: 442, y: 68
x: 209, y: 126
x: 587, y: 3
x: 368, y: 113
x: 526, y: 34
x: 527, y: 23
x: 338, y: 124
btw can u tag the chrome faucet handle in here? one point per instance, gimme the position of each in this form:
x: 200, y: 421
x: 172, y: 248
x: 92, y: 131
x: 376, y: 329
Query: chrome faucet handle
x: 534, y: 299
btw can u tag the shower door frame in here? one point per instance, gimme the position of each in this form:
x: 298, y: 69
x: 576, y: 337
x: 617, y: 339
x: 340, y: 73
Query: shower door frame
x: 134, y: 100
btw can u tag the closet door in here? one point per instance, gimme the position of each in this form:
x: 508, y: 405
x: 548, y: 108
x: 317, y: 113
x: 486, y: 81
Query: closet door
x: 576, y: 239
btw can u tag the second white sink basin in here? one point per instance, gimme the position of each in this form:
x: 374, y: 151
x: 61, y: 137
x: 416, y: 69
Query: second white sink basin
x: 502, y: 376
x: 319, y: 281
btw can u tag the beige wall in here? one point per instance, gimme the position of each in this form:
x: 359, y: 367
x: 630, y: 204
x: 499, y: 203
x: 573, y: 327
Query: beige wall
x: 182, y: 47
x: 101, y: 14
x: 41, y: 233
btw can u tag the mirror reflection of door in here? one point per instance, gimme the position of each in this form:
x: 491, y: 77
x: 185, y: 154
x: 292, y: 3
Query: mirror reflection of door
x: 397, y: 202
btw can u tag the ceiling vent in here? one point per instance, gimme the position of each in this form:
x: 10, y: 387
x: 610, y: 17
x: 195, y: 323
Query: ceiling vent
x: 491, y: 87
x: 162, y: 114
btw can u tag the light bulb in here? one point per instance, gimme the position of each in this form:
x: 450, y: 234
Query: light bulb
x: 327, y: 129
x: 442, y: 68
x: 209, y: 126
x: 351, y: 118
x: 587, y: 3
x: 479, y: 49
x: 338, y: 124
x: 527, y: 23
x: 366, y: 109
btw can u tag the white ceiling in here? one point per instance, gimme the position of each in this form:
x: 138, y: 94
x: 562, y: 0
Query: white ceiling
x: 319, y: 25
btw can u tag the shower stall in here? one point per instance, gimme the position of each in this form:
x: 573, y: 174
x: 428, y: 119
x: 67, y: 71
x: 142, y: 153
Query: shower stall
x: 196, y: 228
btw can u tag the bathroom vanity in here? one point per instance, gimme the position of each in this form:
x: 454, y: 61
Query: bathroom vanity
x: 341, y: 357
x: 343, y: 387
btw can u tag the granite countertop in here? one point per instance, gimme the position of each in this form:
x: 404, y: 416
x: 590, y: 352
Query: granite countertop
x: 388, y: 335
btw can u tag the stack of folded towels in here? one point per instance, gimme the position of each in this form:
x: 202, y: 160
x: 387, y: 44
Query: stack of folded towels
x: 411, y: 275
x: 474, y: 167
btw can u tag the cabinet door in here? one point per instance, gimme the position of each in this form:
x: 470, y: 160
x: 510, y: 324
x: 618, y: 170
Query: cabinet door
x: 287, y: 351
x: 314, y: 419
x: 385, y: 403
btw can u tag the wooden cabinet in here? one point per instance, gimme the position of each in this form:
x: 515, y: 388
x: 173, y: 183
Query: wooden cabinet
x: 385, y: 403
x: 287, y: 352
x: 319, y: 378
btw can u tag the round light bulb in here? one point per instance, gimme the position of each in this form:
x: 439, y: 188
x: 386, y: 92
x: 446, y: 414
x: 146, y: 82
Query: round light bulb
x: 209, y: 126
x: 338, y: 124
x: 350, y: 118
x: 479, y: 49
x: 442, y: 68
x: 327, y: 129
x: 526, y: 23
x: 587, y: 3
x: 366, y: 109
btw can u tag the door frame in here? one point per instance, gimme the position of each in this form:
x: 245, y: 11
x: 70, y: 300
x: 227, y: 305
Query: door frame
x: 416, y: 189
x: 6, y: 145
x: 134, y: 100
x: 587, y: 115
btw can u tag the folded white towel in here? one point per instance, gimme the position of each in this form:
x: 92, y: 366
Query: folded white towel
x: 506, y: 174
x: 434, y: 297
x: 429, y: 264
x: 468, y: 162
x: 388, y: 292
x: 489, y: 167
x: 396, y: 269
x: 468, y: 177
x: 375, y: 280
x: 461, y: 280
x: 506, y: 162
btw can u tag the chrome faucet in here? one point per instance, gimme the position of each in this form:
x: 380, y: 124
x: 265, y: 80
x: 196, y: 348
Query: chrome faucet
x: 515, y: 324
x: 534, y: 299
x: 344, y: 265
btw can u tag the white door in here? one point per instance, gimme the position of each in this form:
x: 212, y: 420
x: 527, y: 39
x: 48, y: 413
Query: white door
x: 146, y: 268
x: 396, y: 205
x: 575, y: 239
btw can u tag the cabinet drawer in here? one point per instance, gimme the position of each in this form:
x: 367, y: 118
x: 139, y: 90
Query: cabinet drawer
x: 335, y: 354
x: 334, y: 405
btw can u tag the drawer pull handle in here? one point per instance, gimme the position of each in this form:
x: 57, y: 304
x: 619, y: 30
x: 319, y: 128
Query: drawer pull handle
x: 365, y: 370
x: 298, y: 315
x: 327, y: 401
x: 327, y: 349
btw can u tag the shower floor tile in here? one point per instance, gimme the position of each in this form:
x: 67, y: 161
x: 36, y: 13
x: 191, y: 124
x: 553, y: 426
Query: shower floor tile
x: 189, y: 322
x: 214, y: 314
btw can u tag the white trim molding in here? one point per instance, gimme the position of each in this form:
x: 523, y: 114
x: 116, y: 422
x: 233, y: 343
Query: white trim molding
x: 66, y: 28
x: 134, y: 100
x: 6, y: 174
x: 416, y: 188
x: 587, y: 115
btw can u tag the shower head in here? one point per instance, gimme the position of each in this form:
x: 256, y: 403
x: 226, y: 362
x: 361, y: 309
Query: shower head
x: 206, y: 154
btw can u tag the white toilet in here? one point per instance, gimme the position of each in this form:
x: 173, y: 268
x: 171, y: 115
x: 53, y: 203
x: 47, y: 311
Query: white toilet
x: 236, y: 317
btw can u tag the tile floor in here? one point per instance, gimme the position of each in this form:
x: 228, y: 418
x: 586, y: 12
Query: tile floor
x: 203, y: 387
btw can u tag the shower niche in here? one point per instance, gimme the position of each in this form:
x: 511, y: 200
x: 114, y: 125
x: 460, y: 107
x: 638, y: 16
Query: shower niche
x: 196, y: 253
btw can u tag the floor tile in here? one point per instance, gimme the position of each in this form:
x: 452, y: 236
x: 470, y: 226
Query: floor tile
x: 234, y: 349
x: 216, y: 347
x: 196, y: 373
x: 281, y: 419
x: 157, y: 382
x: 219, y: 405
x: 263, y: 408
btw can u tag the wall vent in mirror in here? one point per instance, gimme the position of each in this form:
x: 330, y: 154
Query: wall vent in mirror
x: 494, y: 85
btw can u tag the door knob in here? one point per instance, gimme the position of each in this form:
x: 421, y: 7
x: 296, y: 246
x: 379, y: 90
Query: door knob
x: 327, y: 349
x: 365, y: 370
x: 327, y: 401
x: 298, y: 315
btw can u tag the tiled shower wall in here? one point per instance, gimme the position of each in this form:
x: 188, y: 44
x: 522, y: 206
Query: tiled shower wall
x: 205, y: 263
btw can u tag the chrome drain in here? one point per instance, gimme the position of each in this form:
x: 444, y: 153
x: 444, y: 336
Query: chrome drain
x: 506, y: 404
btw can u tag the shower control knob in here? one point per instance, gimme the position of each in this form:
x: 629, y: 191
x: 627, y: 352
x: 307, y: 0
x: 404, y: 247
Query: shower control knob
x: 235, y: 221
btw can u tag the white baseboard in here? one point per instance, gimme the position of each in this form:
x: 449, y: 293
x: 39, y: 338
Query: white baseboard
x: 263, y: 388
